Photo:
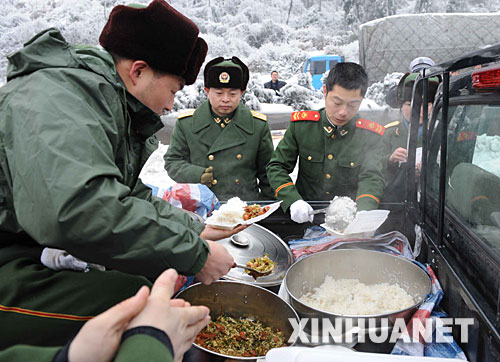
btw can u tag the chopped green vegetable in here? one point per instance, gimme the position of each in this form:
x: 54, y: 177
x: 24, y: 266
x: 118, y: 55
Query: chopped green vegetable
x: 239, y: 337
x: 261, y: 264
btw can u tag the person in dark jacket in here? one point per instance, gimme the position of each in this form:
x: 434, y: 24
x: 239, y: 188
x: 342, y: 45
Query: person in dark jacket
x: 69, y: 165
x: 396, y: 133
x: 274, y: 83
x: 223, y: 144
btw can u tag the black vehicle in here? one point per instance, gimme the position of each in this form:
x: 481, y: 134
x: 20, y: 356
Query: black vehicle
x: 455, y: 201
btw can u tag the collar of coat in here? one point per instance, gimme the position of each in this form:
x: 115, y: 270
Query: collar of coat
x: 234, y: 133
x: 341, y: 131
x: 144, y: 121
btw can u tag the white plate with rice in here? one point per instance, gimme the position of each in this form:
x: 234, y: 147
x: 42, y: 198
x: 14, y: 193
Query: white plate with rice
x: 230, y: 214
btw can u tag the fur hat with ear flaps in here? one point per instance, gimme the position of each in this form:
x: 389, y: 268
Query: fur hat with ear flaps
x: 158, y: 34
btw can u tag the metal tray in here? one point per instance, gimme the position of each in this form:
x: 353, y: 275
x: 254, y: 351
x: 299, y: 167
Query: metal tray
x: 260, y: 241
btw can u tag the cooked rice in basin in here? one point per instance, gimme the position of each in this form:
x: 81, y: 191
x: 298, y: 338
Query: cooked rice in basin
x: 350, y: 296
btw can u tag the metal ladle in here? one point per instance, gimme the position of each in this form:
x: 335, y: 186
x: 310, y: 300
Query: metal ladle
x: 318, y: 211
x: 253, y: 272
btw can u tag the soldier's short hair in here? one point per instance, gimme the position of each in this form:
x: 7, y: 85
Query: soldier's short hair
x: 349, y: 76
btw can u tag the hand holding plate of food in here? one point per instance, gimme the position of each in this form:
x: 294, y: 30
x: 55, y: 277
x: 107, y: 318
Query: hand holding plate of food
x: 236, y: 212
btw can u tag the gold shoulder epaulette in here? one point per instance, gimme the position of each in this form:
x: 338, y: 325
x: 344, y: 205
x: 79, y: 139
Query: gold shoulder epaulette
x: 259, y: 116
x: 305, y: 116
x: 186, y: 113
x: 392, y: 124
x: 370, y: 126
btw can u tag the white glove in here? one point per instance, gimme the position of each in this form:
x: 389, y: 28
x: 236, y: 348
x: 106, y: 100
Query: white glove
x: 57, y: 259
x: 300, y: 210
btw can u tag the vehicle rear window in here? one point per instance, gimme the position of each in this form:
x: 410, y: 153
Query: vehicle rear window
x: 473, y: 168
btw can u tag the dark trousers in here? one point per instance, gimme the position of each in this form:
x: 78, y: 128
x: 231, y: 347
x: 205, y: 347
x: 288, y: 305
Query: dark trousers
x: 40, y: 306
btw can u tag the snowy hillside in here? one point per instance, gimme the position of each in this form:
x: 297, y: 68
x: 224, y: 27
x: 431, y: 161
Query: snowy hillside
x: 266, y: 35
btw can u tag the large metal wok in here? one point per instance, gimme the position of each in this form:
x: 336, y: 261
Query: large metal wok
x: 370, y: 267
x: 237, y: 299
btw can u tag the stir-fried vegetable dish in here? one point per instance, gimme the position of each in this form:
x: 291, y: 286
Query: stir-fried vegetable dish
x: 261, y: 264
x: 239, y: 337
x: 254, y: 210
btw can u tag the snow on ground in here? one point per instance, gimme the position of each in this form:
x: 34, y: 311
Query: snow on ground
x: 487, y: 153
x: 154, y: 173
x: 275, y: 108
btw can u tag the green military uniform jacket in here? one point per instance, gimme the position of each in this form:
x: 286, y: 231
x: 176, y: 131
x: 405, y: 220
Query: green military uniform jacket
x: 140, y: 347
x: 395, y: 136
x: 238, y: 152
x: 346, y: 162
x: 72, y: 144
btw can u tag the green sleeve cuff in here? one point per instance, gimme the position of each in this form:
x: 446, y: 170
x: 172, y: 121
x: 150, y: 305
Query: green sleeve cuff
x: 142, y: 347
x: 367, y: 203
x: 202, y: 259
x: 198, y: 227
x: 23, y: 353
x: 291, y: 197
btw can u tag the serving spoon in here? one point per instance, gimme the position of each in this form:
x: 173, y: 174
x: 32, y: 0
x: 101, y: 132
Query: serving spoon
x: 253, y: 272
x: 318, y: 211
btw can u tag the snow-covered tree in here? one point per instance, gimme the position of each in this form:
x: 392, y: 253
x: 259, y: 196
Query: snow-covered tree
x: 456, y: 6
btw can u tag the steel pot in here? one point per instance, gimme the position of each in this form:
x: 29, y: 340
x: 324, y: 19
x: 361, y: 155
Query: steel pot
x: 238, y: 299
x: 370, y: 267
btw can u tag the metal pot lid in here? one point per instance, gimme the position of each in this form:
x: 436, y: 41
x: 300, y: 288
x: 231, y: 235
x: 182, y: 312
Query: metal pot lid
x: 253, y: 242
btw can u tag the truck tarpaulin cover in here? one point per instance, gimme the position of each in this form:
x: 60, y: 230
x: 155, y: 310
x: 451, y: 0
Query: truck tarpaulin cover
x: 389, y: 44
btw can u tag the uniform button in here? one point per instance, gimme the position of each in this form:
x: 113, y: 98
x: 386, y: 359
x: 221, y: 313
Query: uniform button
x: 359, y: 122
x: 309, y: 158
x: 328, y: 176
x: 328, y: 193
x: 238, y: 156
x: 352, y: 164
x: 330, y: 156
x: 333, y: 136
x: 211, y: 157
x: 222, y: 125
x: 237, y: 182
x: 214, y: 182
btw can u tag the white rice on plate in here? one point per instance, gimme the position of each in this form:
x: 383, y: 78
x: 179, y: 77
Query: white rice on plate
x: 351, y: 297
x: 230, y: 213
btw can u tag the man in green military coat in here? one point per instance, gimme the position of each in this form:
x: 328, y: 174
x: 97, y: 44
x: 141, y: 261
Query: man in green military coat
x: 396, y: 134
x: 76, y: 127
x: 340, y: 154
x: 222, y: 144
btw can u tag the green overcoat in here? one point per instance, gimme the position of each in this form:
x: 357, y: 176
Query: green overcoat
x: 238, y: 153
x: 346, y: 162
x: 395, y: 136
x: 72, y: 144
